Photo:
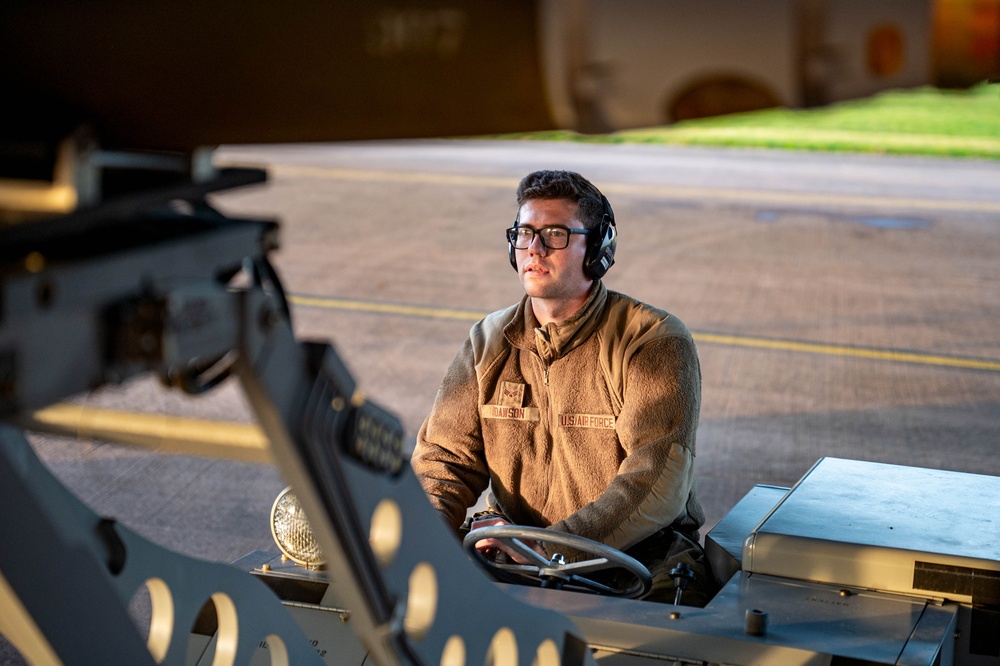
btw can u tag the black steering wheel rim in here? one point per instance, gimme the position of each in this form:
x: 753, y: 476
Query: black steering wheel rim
x: 553, y: 572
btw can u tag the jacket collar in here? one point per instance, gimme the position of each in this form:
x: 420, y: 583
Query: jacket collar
x: 556, y: 339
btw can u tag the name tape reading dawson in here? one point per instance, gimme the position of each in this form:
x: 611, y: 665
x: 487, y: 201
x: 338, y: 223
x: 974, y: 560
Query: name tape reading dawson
x: 513, y: 413
x: 606, y: 421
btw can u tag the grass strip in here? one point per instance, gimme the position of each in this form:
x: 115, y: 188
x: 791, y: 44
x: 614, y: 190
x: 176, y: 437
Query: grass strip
x: 922, y: 121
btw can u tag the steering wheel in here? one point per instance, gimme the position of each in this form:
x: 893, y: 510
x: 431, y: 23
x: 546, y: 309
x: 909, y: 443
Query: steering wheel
x: 557, y: 572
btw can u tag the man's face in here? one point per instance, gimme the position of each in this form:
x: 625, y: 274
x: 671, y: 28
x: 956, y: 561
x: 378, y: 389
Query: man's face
x: 546, y: 273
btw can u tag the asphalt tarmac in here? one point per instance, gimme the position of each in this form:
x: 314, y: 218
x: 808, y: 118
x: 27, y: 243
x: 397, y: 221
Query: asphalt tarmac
x: 843, y: 306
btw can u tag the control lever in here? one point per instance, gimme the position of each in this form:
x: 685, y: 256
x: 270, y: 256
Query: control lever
x: 682, y: 575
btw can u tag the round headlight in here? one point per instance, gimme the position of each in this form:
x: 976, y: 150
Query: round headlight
x: 292, y: 532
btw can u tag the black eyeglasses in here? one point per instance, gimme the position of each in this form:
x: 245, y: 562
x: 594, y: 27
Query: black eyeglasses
x: 554, y: 238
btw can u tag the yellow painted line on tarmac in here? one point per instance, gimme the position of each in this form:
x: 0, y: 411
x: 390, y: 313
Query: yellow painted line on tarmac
x: 769, y: 197
x: 385, y: 308
x: 856, y: 352
x: 380, y: 176
x: 248, y: 443
x: 714, y: 338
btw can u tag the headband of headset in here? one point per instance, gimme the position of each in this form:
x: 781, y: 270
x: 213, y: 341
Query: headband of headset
x: 601, y: 243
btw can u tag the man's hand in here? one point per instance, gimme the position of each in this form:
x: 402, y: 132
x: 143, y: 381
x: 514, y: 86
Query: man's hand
x: 486, y: 545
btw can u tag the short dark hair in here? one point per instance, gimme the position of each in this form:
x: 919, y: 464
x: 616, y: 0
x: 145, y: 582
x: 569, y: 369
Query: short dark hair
x: 564, y: 185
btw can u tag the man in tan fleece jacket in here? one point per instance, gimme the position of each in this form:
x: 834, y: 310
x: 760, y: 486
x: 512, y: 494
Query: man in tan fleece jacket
x: 578, y: 406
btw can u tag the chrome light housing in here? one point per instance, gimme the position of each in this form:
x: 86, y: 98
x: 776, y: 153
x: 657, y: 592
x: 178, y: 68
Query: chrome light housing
x: 292, y: 532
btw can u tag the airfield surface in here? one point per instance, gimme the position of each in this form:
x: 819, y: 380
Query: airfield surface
x: 843, y: 306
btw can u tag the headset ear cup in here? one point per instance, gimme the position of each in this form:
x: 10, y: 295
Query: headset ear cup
x: 601, y: 250
x: 600, y: 254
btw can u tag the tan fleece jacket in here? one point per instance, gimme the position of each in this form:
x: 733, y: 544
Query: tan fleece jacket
x: 585, y: 426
